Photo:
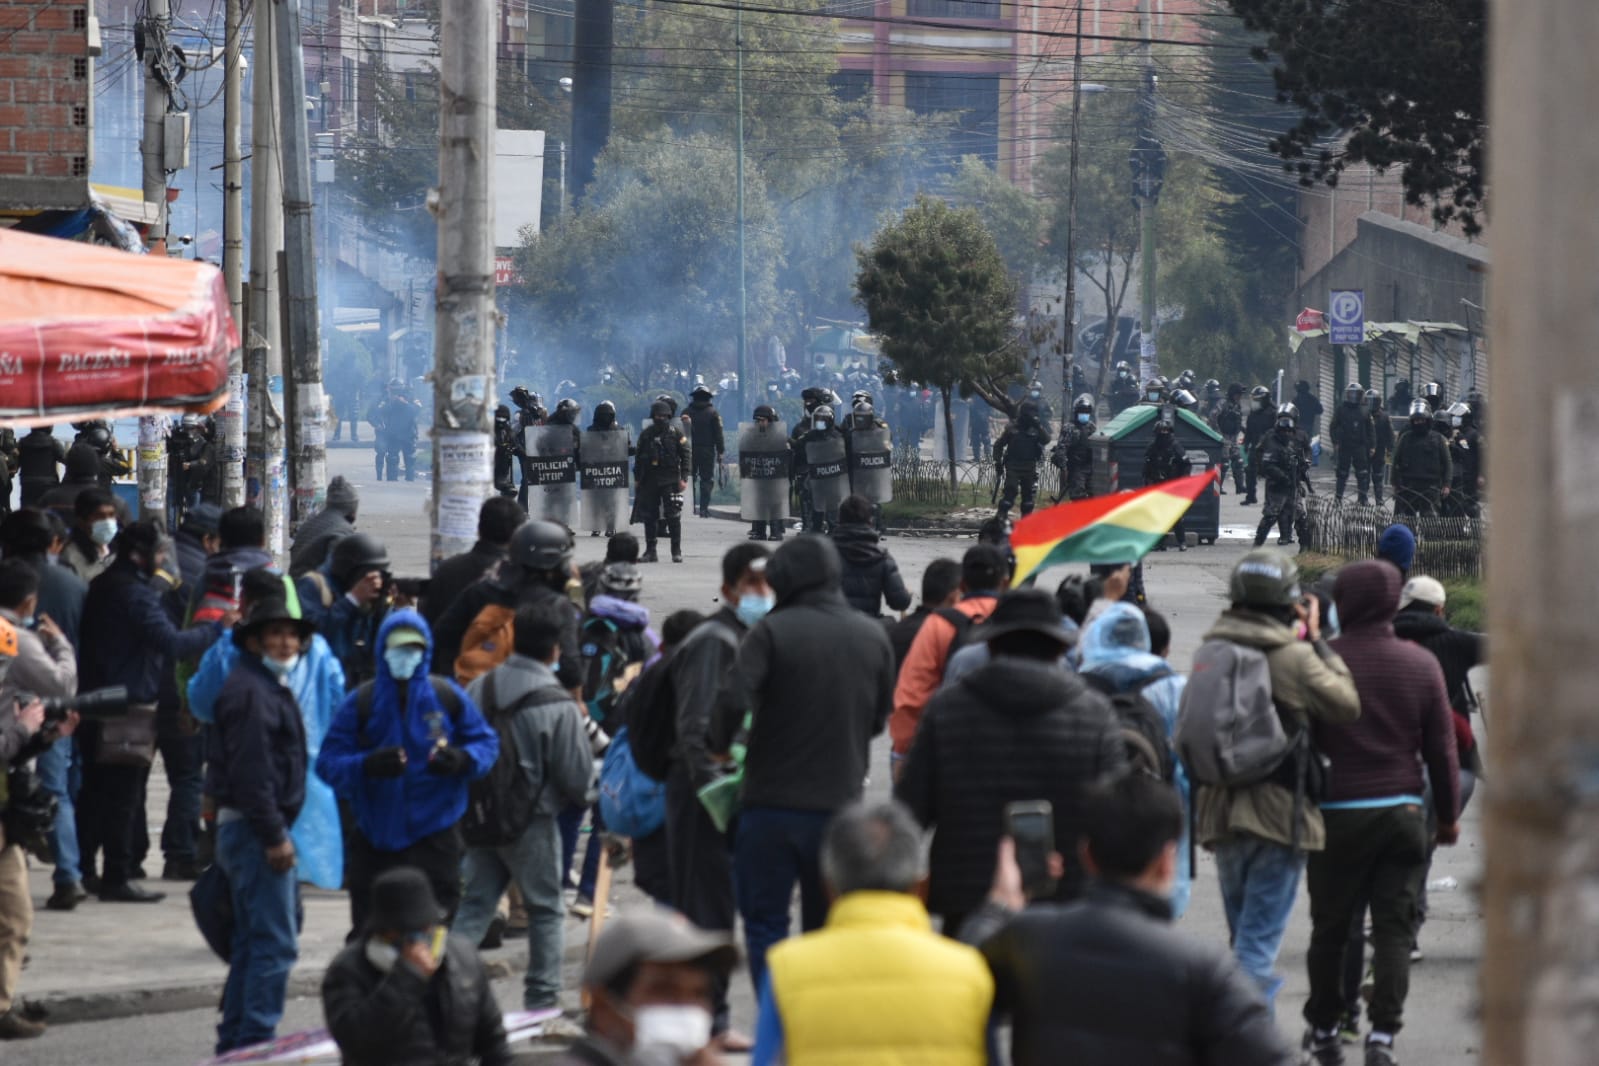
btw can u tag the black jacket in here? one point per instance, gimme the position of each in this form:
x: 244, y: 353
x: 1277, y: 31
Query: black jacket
x: 705, y: 426
x: 870, y: 574
x: 1352, y: 430
x: 128, y: 638
x: 315, y: 540
x: 1456, y: 650
x: 662, y: 457
x: 1257, y: 426
x: 1382, y: 434
x: 1020, y: 447
x: 1011, y: 730
x: 1278, y: 462
x: 257, y: 751
x: 699, y: 671
x: 505, y: 588
x: 902, y: 634
x: 401, y: 1018
x: 819, y: 679
x: 1421, y: 459
x: 1107, y: 981
x: 1164, y: 460
x: 455, y: 575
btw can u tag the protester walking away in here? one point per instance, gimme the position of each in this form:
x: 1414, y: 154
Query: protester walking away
x: 876, y: 983
x: 870, y: 574
x: 314, y: 540
x: 1119, y: 660
x: 408, y: 990
x: 807, y: 739
x: 1421, y: 619
x: 1078, y: 983
x: 706, y: 439
x: 317, y: 682
x: 401, y: 752
x: 985, y: 574
x: 1074, y: 454
x: 1382, y: 443
x: 1166, y: 460
x: 1422, y: 467
x: 1019, y: 729
x: 701, y: 863
x: 1017, y: 453
x: 396, y: 439
x: 505, y: 451
x: 1354, y: 437
x: 1381, y: 767
x: 1279, y: 462
x: 39, y: 452
x: 1263, y: 674
x: 661, y: 470
x: 88, y: 551
x: 1309, y: 407
x: 651, y: 983
x: 127, y: 638
x: 23, y: 735
x: 941, y: 581
x: 256, y: 777
x: 497, y: 521
x: 544, y: 764
x: 347, y: 598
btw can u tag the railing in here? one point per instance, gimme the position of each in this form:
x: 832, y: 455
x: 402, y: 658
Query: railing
x: 926, y: 481
x: 1446, y: 546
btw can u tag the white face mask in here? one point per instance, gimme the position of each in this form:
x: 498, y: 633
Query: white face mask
x: 381, y: 954
x: 281, y: 668
x: 670, y: 1032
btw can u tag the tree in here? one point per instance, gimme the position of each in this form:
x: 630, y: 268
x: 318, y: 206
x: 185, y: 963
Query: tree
x: 939, y: 298
x: 1011, y: 214
x: 1218, y: 330
x: 1402, y: 84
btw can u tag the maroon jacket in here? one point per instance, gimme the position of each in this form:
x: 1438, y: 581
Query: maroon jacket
x: 1405, y: 719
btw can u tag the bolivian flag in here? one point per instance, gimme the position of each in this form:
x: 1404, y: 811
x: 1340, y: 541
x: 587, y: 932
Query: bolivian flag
x: 1105, y: 529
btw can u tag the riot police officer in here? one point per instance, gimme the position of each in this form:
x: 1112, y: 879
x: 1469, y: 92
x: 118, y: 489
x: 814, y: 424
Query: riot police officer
x: 1166, y: 460
x: 397, y: 433
x: 1382, y: 442
x: 1281, y: 465
x: 977, y: 429
x: 1073, y: 455
x: 1017, y: 454
x: 810, y: 400
x: 565, y: 414
x: 39, y: 453
x: 187, y: 465
x: 1465, y: 455
x: 1210, y: 402
x: 1422, y: 468
x: 1156, y: 391
x: 530, y: 412
x: 1124, y: 391
x: 706, y: 439
x: 661, y: 468
x: 765, y: 415
x: 1228, y: 420
x: 1186, y: 380
x: 505, y: 452
x: 823, y: 431
x: 1433, y: 393
x: 1352, y: 436
x: 97, y: 434
x: 1257, y: 424
x: 1184, y: 400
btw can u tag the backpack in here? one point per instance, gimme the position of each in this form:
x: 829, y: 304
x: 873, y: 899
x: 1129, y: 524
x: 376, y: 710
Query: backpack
x: 501, y: 803
x: 1229, y: 733
x: 1143, y: 729
x: 648, y: 711
x: 488, y: 642
x: 632, y: 803
x: 609, y: 670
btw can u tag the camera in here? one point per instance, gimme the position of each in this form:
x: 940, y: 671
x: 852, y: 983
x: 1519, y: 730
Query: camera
x: 99, y: 703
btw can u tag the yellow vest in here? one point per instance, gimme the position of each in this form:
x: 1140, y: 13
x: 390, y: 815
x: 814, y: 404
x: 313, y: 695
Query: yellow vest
x: 877, y: 987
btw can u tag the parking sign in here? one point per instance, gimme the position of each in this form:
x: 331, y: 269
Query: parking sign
x: 1346, y: 316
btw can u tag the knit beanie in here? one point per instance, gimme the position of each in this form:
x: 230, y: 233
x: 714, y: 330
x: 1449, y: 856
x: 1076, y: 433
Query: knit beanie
x: 1397, y: 545
x: 342, y: 497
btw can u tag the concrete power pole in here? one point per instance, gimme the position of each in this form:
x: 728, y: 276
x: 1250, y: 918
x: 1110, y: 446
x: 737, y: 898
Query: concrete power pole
x: 464, y: 328
x: 1149, y: 168
x: 157, y: 21
x: 307, y: 436
x: 1542, y: 816
x: 264, y: 345
x: 232, y: 419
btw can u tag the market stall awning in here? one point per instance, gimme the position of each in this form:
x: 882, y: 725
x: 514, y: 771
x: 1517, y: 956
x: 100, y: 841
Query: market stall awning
x: 85, y: 328
x: 1409, y: 331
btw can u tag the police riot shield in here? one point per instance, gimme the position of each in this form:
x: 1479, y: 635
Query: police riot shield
x: 552, y: 468
x: 827, y: 465
x: 763, y: 470
x: 872, y: 465
x: 602, y: 475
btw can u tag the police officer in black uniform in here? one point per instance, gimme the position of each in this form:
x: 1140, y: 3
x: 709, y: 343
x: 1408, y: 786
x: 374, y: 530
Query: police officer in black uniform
x: 1017, y: 454
x: 1124, y: 391
x: 39, y: 453
x: 1257, y: 424
x: 823, y: 428
x: 97, y: 434
x: 1280, y: 464
x: 810, y: 399
x: 1228, y: 420
x: 1352, y: 436
x: 1382, y: 442
x: 1433, y: 393
x: 1073, y: 455
x: 505, y: 452
x: 1465, y: 455
x: 661, y: 468
x: 705, y: 435
x: 187, y: 466
x: 766, y: 414
x: 1166, y: 460
x: 1422, y: 468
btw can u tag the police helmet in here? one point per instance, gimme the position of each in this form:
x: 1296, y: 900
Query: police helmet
x: 1235, y: 390
x: 1374, y: 399
x: 1185, y: 379
x: 822, y: 415
x: 1432, y: 391
x: 1353, y: 392
x: 1123, y: 365
x: 1184, y: 399
x: 521, y: 397
x: 357, y: 555
x: 98, y: 437
x: 863, y: 408
x: 1155, y: 389
x: 1212, y: 386
x: 1459, y: 415
x: 1420, y: 409
x: 1083, y: 404
x: 540, y: 545
x: 1265, y: 577
x: 702, y: 389
x: 1289, y: 411
x: 1260, y: 395
x: 502, y: 413
x: 660, y: 409
x: 765, y: 411
x: 861, y: 395
x: 192, y: 421
x: 567, y: 409
x: 622, y: 580
x: 605, y: 407
x: 396, y: 383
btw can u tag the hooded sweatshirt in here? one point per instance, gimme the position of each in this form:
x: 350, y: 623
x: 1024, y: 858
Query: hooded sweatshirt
x: 870, y: 573
x: 1404, y: 721
x: 393, y: 813
x: 818, y: 678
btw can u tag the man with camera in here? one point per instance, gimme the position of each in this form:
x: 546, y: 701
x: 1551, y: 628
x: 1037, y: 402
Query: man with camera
x: 27, y: 815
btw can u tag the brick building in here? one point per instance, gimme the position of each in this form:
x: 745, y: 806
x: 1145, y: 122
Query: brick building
x: 46, y: 104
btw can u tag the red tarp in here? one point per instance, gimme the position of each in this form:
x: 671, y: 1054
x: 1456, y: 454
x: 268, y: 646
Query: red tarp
x: 85, y: 328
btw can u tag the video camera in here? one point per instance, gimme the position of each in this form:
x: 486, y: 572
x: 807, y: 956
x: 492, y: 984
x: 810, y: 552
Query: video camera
x: 98, y: 703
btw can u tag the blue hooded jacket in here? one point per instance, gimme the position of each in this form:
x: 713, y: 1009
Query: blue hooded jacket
x: 395, y: 812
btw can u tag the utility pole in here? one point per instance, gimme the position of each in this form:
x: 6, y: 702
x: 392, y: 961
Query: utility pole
x: 155, y: 24
x: 1542, y: 813
x: 1149, y: 171
x: 264, y: 345
x: 738, y: 53
x: 1068, y: 348
x: 232, y: 419
x: 307, y: 435
x: 464, y: 327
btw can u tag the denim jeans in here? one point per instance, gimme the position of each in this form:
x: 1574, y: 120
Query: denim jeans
x: 571, y: 822
x: 264, y: 939
x: 534, y: 862
x: 183, y: 757
x: 1259, y: 880
x: 774, y: 849
x: 61, y: 775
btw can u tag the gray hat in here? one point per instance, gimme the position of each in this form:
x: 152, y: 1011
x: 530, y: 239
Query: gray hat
x: 1026, y: 610
x: 656, y: 936
x: 342, y: 497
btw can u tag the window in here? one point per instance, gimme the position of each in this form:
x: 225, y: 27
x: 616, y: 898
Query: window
x: 954, y: 9
x: 851, y: 86
x: 972, y: 103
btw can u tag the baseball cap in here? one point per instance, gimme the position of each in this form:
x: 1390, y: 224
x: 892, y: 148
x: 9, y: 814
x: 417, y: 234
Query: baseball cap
x: 403, y: 635
x: 1422, y: 590
x: 656, y: 936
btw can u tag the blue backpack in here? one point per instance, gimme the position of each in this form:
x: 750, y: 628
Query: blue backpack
x: 632, y: 804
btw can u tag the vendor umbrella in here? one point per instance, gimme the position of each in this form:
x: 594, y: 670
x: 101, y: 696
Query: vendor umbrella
x: 87, y: 329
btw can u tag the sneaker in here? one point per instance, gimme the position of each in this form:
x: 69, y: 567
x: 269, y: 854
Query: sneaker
x: 1349, y: 1028
x: 563, y: 1027
x: 66, y: 898
x: 1380, y: 1054
x: 494, y: 935
x: 13, y: 1026
x: 180, y: 870
x: 582, y: 907
x: 1415, y: 952
x: 1321, y: 1051
x: 649, y: 557
x: 677, y: 557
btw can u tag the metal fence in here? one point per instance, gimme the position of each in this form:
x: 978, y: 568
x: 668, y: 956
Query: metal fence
x: 926, y: 481
x: 1446, y: 547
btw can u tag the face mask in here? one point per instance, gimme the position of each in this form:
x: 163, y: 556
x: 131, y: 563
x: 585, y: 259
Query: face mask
x: 280, y: 668
x: 679, y: 1030
x: 752, y: 607
x: 1331, y: 629
x: 381, y: 954
x: 104, y: 531
x: 1083, y: 418
x: 402, y: 662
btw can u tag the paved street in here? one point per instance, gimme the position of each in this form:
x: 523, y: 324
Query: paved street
x: 143, y: 960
